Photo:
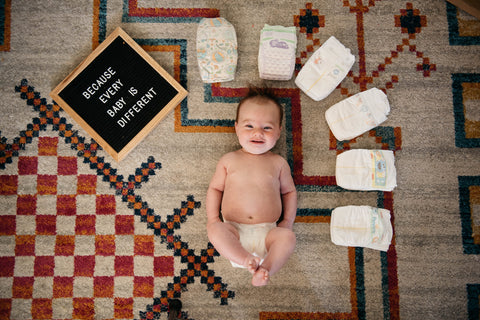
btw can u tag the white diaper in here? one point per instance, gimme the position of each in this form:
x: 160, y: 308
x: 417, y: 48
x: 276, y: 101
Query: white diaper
x: 216, y: 50
x: 361, y: 226
x: 276, y: 54
x: 325, y: 69
x: 366, y: 170
x: 252, y: 238
x: 357, y: 114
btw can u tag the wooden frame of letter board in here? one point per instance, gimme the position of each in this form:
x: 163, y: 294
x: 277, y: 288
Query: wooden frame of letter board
x: 118, y: 156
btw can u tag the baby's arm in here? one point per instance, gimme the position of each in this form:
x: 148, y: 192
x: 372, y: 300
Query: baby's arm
x: 215, y: 193
x: 289, y: 197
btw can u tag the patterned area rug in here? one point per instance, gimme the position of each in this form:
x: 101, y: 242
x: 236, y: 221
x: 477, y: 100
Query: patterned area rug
x: 85, y: 237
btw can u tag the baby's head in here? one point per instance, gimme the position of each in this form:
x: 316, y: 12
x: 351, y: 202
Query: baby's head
x: 259, y: 120
x: 262, y: 95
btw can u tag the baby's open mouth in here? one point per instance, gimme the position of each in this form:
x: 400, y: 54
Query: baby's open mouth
x: 256, y: 141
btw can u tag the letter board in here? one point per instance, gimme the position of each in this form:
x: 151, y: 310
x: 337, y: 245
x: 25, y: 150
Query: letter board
x: 118, y: 94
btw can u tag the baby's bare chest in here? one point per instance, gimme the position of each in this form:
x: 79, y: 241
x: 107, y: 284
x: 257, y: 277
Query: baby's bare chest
x: 264, y: 175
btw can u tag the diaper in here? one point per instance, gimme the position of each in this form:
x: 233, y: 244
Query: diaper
x: 325, y: 69
x: 252, y: 238
x: 216, y: 50
x: 358, y: 114
x: 366, y: 170
x: 361, y: 226
x: 276, y: 54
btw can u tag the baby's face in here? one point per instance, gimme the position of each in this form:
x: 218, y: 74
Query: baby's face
x: 258, y: 127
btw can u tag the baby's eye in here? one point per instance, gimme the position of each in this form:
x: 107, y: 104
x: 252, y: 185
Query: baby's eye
x: 267, y: 128
x: 249, y: 126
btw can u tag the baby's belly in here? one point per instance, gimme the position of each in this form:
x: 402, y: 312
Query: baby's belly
x: 251, y: 208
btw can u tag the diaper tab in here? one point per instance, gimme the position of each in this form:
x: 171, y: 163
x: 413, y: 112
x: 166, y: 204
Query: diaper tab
x: 379, y: 169
x: 358, y: 114
x: 216, y: 50
x: 377, y: 103
x: 276, y: 54
x: 325, y: 69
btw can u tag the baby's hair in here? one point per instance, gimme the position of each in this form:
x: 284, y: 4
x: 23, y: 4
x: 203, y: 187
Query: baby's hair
x: 264, y: 94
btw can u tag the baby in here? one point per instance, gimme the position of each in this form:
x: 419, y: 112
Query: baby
x: 250, y: 189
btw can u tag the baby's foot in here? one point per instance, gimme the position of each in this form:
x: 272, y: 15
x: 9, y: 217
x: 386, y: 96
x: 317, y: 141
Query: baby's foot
x: 252, y: 263
x: 260, y: 277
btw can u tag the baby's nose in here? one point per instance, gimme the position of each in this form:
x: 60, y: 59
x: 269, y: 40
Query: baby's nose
x: 258, y: 132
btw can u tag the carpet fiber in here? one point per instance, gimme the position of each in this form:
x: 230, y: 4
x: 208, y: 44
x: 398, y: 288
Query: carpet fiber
x: 85, y: 237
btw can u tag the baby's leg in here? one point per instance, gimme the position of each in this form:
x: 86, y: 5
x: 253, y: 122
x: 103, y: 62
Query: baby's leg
x: 226, y: 240
x: 280, y: 243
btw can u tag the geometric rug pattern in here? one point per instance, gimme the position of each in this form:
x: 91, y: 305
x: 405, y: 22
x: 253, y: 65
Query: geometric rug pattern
x: 85, y: 237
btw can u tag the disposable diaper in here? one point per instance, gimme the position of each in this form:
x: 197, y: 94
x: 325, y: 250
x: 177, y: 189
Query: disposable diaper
x: 325, y: 69
x: 252, y: 238
x: 366, y: 170
x: 276, y: 54
x: 361, y: 226
x: 358, y: 114
x: 216, y: 50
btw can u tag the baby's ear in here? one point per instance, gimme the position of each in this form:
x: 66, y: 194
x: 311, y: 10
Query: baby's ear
x: 280, y: 132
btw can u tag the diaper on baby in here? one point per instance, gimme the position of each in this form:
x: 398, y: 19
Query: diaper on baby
x: 216, y: 50
x: 325, y: 69
x: 366, y: 170
x: 252, y: 238
x: 276, y: 54
x: 357, y: 114
x: 361, y: 226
